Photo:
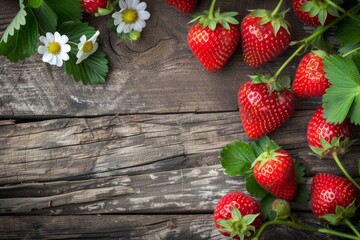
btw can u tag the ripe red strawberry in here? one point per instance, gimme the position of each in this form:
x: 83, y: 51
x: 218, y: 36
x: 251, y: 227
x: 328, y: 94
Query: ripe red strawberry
x: 264, y: 37
x: 214, y: 39
x: 315, y: 12
x: 237, y: 215
x: 328, y: 191
x: 336, y: 136
x: 274, y: 170
x: 263, y: 108
x: 184, y: 6
x: 310, y: 80
x: 91, y: 6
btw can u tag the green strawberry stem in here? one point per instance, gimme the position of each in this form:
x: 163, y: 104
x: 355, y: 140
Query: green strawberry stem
x: 351, y: 51
x: 211, y: 10
x: 352, y: 227
x: 338, y: 162
x: 277, y: 9
x: 304, y: 42
x: 302, y: 227
x: 340, y: 9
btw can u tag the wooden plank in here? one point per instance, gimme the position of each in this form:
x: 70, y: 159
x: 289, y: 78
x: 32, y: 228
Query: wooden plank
x: 188, y: 190
x: 158, y: 74
x: 146, y: 227
x: 137, y: 144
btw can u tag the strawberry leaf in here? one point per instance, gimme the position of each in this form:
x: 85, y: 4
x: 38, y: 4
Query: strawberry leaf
x: 266, y: 205
x: 299, y: 173
x: 347, y: 26
x: 236, y: 158
x: 66, y: 10
x: 261, y: 145
x: 302, y: 193
x: 253, y: 187
x: 342, y: 98
x: 46, y: 18
x: 34, y: 3
x: 15, y: 24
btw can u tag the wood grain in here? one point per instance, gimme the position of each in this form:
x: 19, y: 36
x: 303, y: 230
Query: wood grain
x: 145, y: 227
x: 158, y: 74
x: 74, y: 148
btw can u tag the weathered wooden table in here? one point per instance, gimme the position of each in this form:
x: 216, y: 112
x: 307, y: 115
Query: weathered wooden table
x: 137, y: 157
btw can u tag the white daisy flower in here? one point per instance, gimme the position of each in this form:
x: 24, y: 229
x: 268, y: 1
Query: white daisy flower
x: 87, y: 47
x: 132, y: 16
x: 55, y: 49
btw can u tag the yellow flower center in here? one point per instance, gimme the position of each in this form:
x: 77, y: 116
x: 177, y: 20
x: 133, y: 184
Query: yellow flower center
x: 130, y: 16
x: 88, y: 47
x: 54, y: 48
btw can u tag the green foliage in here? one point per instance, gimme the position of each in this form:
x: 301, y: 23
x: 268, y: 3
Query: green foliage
x: 46, y: 18
x: 68, y: 10
x: 92, y: 70
x: 21, y: 43
x: 34, y: 3
x: 342, y: 99
x: 302, y: 193
x: 19, y: 20
x: 253, y: 187
x: 266, y: 205
x: 219, y: 18
x: 347, y: 26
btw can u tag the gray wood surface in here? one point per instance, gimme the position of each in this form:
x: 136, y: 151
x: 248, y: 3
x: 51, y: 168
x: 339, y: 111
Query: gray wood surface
x: 137, y: 157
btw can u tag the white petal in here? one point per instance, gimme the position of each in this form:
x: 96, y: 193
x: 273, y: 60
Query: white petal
x: 118, y: 21
x: 57, y: 36
x: 43, y: 40
x: 82, y: 57
x: 42, y: 49
x: 141, y: 7
x: 80, y: 46
x: 141, y: 23
x: 135, y: 3
x: 120, y: 28
x: 116, y: 15
x: 63, y: 39
x: 83, y: 39
x: 122, y: 4
x: 53, y: 60
x: 144, y: 15
x: 95, y: 47
x: 79, y: 53
x: 50, y: 37
x: 128, y: 3
x: 128, y: 28
x: 47, y: 57
x: 64, y: 56
x: 59, y: 61
x: 93, y: 38
x: 66, y: 48
x: 137, y: 27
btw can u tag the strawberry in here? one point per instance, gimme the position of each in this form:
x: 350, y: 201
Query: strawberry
x: 315, y: 12
x: 265, y: 36
x: 237, y: 215
x: 274, y: 170
x: 310, y: 80
x: 328, y: 191
x: 213, y: 39
x: 91, y: 6
x: 264, y: 106
x: 184, y: 6
x: 324, y: 138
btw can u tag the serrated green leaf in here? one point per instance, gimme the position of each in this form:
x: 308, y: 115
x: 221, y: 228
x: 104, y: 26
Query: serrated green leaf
x: 236, y: 158
x: 260, y: 145
x: 359, y: 166
x: 92, y: 70
x: 34, y: 3
x: 302, y: 193
x: 299, y: 173
x: 46, y: 18
x: 345, y: 87
x: 348, y: 32
x: 66, y: 10
x: 266, y: 205
x: 19, y: 20
x: 23, y: 42
x: 253, y: 187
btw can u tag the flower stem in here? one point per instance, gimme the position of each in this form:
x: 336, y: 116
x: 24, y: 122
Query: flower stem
x: 277, y: 9
x: 336, y: 233
x: 353, y: 228
x: 338, y: 162
x: 340, y: 9
x: 211, y: 10
x: 351, y: 51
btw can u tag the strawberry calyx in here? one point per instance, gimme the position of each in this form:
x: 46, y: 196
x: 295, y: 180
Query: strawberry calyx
x: 268, y: 155
x: 238, y: 225
x: 341, y: 214
x: 110, y: 7
x: 277, y: 19
x: 336, y: 146
x: 273, y: 83
x: 321, y: 9
x: 281, y: 208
